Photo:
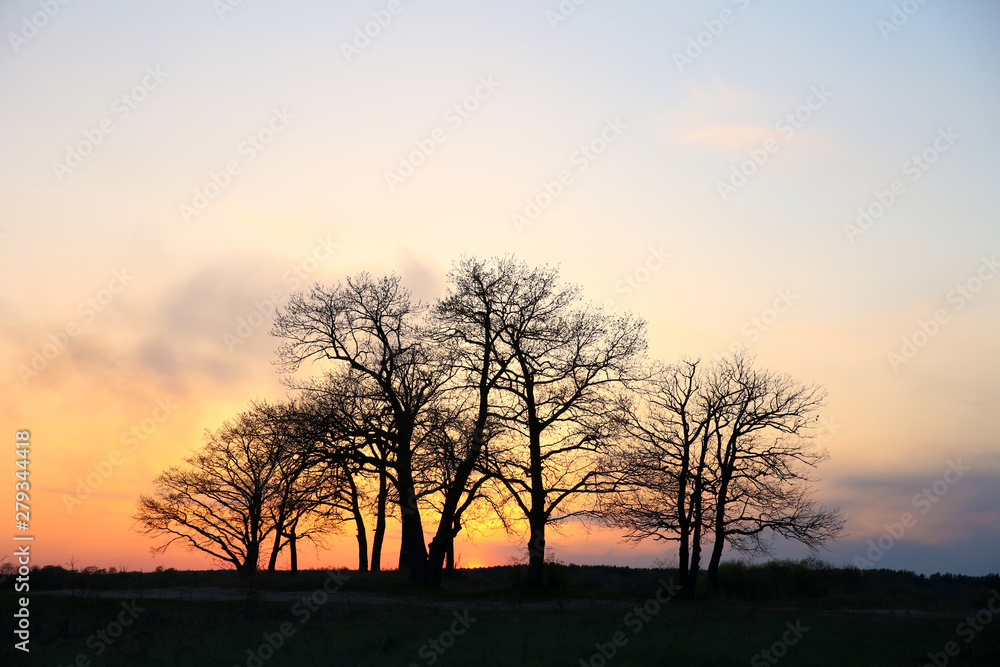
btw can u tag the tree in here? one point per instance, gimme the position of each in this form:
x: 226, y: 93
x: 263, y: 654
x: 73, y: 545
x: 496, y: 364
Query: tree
x: 372, y: 328
x: 252, y: 480
x: 349, y: 420
x: 721, y: 453
x: 411, y: 395
x: 567, y: 363
x: 468, y: 324
x: 660, y: 468
x: 507, y: 350
x: 310, y: 490
x: 764, y: 455
x: 216, y: 504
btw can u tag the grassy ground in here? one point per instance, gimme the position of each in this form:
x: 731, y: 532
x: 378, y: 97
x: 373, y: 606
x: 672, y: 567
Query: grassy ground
x: 218, y: 633
x: 804, y: 616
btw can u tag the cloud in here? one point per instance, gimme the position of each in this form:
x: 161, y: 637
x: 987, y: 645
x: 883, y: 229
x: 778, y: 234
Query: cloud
x: 723, y: 117
x: 713, y: 117
x: 950, y: 506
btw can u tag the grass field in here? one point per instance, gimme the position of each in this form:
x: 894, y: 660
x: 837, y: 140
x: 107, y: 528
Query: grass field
x: 484, y: 618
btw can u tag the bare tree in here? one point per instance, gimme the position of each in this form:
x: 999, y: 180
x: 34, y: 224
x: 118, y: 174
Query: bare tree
x: 719, y: 454
x: 255, y: 478
x: 506, y: 350
x: 468, y: 325
x: 311, y: 490
x: 764, y: 456
x: 216, y: 504
x: 371, y: 328
x: 337, y: 420
x: 567, y: 364
x: 661, y: 466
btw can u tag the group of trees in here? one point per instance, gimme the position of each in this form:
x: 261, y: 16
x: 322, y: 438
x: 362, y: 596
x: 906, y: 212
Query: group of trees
x: 257, y: 481
x: 508, y: 399
x: 717, y: 455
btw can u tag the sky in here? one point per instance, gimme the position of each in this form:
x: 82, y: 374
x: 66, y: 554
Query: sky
x: 816, y: 181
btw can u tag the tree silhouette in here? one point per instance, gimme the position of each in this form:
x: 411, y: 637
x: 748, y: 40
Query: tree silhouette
x: 567, y: 362
x: 720, y: 454
x: 250, y: 481
x: 764, y: 456
x: 508, y: 397
x: 468, y: 324
x: 660, y: 469
x: 371, y: 328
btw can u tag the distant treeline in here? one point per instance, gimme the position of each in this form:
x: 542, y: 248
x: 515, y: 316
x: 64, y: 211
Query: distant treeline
x: 800, y: 581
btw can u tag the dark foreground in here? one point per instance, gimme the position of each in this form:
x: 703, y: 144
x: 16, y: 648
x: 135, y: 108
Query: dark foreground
x: 593, y: 616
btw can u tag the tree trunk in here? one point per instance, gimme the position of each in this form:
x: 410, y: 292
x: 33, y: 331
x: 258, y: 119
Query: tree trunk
x: 441, y: 554
x: 696, y: 500
x: 249, y: 568
x: 713, y: 565
x: 362, y: 549
x: 272, y: 563
x: 537, y: 517
x: 442, y: 546
x: 536, y: 553
x: 254, y: 510
x: 691, y: 585
x: 359, y: 524
x: 292, y: 541
x: 684, y: 527
x: 683, y: 560
x: 412, y: 550
x: 719, y: 536
x: 380, y: 510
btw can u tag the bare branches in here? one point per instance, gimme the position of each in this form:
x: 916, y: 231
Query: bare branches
x: 557, y: 368
x: 508, y: 396
x: 722, y: 450
x: 254, y: 477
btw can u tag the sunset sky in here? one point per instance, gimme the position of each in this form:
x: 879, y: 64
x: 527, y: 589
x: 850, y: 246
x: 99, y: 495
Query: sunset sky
x: 817, y: 181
